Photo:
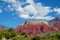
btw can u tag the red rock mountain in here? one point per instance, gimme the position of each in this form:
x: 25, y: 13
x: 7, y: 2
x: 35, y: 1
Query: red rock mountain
x: 33, y: 27
x: 56, y: 23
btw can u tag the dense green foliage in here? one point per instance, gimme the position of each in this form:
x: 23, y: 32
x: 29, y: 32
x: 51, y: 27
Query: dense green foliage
x: 36, y: 38
x: 10, y: 34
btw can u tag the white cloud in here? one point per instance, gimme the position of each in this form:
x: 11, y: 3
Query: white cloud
x: 10, y: 1
x: 10, y: 8
x: 44, y: 18
x: 38, y: 10
x: 24, y: 16
x: 57, y: 10
x: 49, y: 18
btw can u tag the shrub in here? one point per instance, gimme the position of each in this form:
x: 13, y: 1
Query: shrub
x: 36, y: 38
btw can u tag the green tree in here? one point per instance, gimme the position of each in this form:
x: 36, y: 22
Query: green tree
x: 2, y: 33
x: 23, y: 33
x: 10, y: 33
x: 36, y: 38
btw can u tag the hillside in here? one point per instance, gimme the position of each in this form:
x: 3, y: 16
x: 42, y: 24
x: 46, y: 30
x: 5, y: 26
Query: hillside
x: 32, y: 30
x: 34, y: 27
x: 56, y: 23
x: 3, y: 27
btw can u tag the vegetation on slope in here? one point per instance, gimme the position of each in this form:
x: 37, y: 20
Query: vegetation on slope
x: 11, y: 35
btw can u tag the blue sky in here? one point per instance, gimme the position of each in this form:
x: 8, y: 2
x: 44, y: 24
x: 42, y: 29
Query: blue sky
x: 16, y: 12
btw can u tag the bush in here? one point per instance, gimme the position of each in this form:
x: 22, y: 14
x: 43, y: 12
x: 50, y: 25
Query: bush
x: 36, y: 38
x: 23, y: 33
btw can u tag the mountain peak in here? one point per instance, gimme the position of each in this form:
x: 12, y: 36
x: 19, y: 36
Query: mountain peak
x: 35, y: 21
x: 33, y: 27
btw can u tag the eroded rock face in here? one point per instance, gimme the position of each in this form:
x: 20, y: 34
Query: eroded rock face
x: 34, y: 27
x: 55, y: 23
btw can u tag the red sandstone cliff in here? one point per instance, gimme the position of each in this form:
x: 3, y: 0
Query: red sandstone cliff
x: 33, y: 27
x: 56, y: 23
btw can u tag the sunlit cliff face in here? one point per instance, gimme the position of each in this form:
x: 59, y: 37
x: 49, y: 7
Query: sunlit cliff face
x: 34, y: 27
x: 55, y: 23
